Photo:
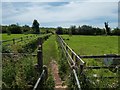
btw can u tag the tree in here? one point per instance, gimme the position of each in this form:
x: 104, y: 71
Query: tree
x: 26, y: 29
x: 108, y: 32
x: 35, y: 27
x: 4, y: 29
x: 14, y: 29
x: 59, y: 30
x: 116, y: 31
x: 73, y: 30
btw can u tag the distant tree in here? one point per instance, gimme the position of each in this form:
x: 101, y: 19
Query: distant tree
x: 116, y: 31
x: 14, y: 29
x: 87, y: 30
x: 108, y: 32
x: 35, y: 27
x: 59, y: 30
x: 26, y: 29
x: 73, y: 30
x: 4, y: 29
x: 79, y: 30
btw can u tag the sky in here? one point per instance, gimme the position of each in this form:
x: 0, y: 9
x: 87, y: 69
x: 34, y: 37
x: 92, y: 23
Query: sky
x: 54, y: 13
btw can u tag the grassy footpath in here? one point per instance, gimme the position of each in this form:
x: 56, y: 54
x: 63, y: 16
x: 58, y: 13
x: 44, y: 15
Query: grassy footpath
x: 50, y: 53
x: 50, y: 50
x: 92, y: 45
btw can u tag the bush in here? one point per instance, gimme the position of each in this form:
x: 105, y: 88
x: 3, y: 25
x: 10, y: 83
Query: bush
x: 6, y: 49
x: 29, y: 47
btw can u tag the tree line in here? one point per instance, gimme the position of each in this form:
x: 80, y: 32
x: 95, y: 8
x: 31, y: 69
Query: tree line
x: 72, y: 30
x: 87, y: 30
x: 26, y: 29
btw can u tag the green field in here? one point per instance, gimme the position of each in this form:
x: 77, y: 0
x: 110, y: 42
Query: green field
x: 92, y: 45
x: 8, y: 37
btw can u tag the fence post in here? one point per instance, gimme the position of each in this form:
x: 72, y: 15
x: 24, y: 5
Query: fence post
x: 72, y: 55
x: 46, y: 72
x: 118, y: 75
x: 13, y: 41
x: 66, y: 50
x: 76, y: 60
x: 39, y: 55
x: 81, y: 68
x: 21, y: 39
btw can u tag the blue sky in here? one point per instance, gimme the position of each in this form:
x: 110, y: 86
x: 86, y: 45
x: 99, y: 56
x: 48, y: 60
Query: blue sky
x: 57, y: 13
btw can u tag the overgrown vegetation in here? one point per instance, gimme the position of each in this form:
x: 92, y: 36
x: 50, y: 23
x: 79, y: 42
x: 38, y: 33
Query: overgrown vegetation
x: 18, y: 72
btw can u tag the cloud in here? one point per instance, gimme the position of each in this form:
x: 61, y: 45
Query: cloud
x: 61, y: 13
x: 60, y: 0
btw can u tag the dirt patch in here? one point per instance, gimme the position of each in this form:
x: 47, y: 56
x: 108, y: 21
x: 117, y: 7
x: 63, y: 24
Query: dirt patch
x: 57, y: 79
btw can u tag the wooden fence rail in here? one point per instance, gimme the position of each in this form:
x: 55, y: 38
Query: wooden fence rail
x: 16, y: 40
x: 3, y: 41
x: 100, y: 56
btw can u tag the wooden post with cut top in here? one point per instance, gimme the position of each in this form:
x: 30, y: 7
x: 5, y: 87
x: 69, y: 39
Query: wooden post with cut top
x: 39, y: 55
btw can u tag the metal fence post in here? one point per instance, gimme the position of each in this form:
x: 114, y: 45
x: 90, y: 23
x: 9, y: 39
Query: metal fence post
x: 66, y: 50
x: 46, y: 72
x: 72, y: 55
x: 76, y: 61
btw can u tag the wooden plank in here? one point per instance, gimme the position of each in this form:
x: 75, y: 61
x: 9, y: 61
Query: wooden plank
x: 110, y: 77
x: 99, y: 67
x: 99, y: 56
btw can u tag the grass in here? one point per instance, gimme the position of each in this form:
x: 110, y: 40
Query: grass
x: 95, y: 45
x: 92, y: 45
x: 50, y: 50
x: 8, y: 37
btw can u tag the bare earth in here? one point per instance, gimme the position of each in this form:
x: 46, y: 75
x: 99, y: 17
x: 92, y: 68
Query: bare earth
x: 57, y: 79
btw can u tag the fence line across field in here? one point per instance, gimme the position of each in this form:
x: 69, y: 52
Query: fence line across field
x: 14, y: 40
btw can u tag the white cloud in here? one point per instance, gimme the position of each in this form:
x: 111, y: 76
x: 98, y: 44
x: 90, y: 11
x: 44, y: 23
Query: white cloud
x: 60, y: 0
x: 76, y: 13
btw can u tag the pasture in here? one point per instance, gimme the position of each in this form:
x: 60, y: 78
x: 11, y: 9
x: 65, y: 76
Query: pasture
x: 8, y: 37
x: 92, y: 45
x: 95, y: 45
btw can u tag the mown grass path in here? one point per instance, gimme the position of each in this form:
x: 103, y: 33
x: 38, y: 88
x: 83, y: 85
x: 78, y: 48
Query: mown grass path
x: 50, y: 58
x: 50, y: 51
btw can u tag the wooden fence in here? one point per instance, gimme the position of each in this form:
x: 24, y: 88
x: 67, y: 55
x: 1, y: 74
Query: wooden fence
x: 16, y: 40
x: 40, y: 68
x: 76, y: 62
